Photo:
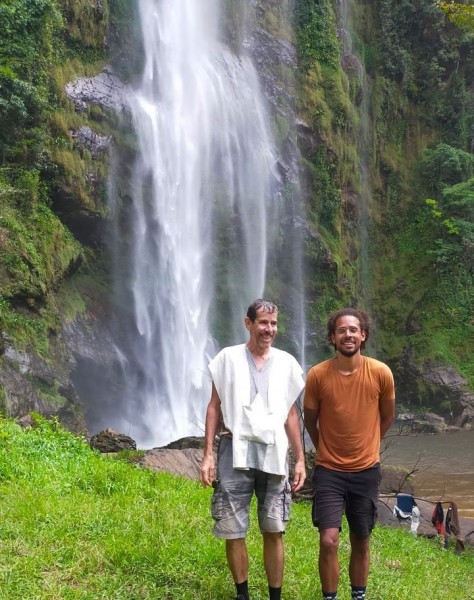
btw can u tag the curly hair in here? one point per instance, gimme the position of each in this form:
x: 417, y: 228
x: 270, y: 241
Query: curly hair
x: 360, y: 315
x: 258, y: 304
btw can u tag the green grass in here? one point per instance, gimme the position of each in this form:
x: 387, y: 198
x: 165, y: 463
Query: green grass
x: 78, y: 525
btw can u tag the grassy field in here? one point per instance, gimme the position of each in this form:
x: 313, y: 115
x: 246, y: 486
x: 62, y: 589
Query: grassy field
x: 78, y: 525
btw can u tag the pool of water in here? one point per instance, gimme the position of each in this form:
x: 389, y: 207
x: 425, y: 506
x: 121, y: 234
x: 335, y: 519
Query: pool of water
x: 444, y: 465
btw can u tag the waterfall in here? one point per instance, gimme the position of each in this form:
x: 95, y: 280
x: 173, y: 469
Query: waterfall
x: 202, y: 218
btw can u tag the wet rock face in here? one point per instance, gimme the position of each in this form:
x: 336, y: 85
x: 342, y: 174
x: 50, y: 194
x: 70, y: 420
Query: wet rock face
x: 85, y: 137
x: 445, y: 376
x: 263, y: 32
x: 86, y: 221
x: 271, y: 55
x: 438, y: 386
x: 105, y: 90
x: 30, y: 384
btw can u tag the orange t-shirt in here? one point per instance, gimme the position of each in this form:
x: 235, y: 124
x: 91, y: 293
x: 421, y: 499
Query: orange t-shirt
x: 349, y: 412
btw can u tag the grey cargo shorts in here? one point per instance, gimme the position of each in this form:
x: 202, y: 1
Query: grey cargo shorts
x: 233, y: 491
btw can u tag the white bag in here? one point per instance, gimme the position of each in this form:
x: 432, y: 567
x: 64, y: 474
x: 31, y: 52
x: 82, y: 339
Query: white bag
x: 258, y: 423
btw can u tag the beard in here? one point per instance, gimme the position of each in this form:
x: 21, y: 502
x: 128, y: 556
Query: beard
x: 348, y: 353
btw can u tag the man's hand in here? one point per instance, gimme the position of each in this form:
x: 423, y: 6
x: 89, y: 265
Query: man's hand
x: 207, y: 473
x: 208, y: 470
x: 299, y: 476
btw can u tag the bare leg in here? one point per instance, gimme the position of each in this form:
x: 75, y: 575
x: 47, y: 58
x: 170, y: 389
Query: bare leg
x: 273, y: 558
x: 328, y: 561
x: 360, y: 559
x: 237, y: 559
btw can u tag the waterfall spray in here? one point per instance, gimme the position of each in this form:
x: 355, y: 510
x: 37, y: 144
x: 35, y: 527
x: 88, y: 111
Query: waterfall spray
x: 202, y: 209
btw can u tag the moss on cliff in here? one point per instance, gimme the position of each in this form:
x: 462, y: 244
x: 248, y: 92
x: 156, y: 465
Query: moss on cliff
x: 325, y: 105
x: 419, y: 258
x: 45, y: 44
x: 425, y: 277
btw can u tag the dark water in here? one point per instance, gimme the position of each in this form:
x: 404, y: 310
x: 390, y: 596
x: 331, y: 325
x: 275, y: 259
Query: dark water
x: 444, y: 463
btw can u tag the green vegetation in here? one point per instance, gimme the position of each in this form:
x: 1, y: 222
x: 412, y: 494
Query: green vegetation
x: 85, y: 23
x: 462, y: 14
x: 325, y: 102
x: 44, y: 44
x: 49, y: 191
x: 419, y: 168
x: 315, y: 33
x: 76, y: 524
x: 36, y: 251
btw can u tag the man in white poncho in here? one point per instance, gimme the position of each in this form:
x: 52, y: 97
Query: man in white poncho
x: 252, y: 409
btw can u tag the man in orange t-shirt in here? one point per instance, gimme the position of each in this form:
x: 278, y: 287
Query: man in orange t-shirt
x: 349, y: 405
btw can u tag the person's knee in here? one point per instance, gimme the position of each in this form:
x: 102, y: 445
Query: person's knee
x: 359, y: 544
x: 235, y: 542
x: 272, y: 538
x: 329, y: 540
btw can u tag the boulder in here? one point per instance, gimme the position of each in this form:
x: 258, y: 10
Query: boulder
x: 186, y: 442
x: 110, y: 440
x: 180, y: 457
x: 406, y: 417
x: 420, y: 426
x: 436, y: 385
x: 437, y: 422
x: 185, y: 462
x: 466, y: 418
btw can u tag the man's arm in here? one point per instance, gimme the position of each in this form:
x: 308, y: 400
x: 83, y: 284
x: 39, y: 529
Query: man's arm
x: 292, y: 428
x: 386, y: 401
x: 311, y: 417
x: 387, y: 415
x: 213, y: 415
x: 311, y: 408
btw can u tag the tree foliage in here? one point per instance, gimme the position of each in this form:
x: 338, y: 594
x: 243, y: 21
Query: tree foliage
x: 315, y: 27
x: 21, y: 109
x: 461, y: 14
x: 444, y: 165
x: 29, y: 34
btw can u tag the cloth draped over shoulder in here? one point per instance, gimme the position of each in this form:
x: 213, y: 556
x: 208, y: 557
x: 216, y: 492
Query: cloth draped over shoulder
x: 231, y: 376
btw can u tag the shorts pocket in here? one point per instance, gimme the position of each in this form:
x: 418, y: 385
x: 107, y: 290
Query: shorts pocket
x: 375, y: 515
x: 217, y: 504
x: 314, y: 514
x: 286, y: 502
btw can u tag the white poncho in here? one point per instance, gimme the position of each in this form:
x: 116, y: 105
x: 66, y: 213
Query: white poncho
x: 231, y: 376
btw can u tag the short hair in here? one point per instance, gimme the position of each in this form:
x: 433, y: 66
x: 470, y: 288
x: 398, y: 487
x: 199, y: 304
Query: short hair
x: 260, y: 304
x: 360, y: 315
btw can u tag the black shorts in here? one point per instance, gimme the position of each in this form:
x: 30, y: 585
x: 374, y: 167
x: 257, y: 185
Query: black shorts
x: 356, y: 494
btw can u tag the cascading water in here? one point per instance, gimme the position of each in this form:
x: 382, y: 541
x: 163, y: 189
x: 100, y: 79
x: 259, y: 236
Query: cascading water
x: 203, y: 214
